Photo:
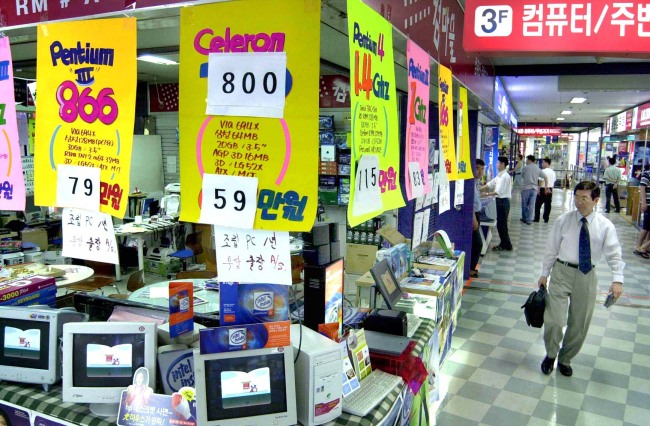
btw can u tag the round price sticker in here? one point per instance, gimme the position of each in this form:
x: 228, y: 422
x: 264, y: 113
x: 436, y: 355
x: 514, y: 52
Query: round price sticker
x: 229, y: 200
x: 78, y: 186
x: 367, y: 194
x: 247, y: 84
x: 416, y: 178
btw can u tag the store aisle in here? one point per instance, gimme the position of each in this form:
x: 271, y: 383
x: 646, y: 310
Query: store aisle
x: 493, y: 375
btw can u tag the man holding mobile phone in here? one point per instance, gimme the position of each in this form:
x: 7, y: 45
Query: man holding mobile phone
x: 578, y: 240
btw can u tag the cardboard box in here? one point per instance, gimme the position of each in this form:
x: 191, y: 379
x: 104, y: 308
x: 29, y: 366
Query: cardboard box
x: 162, y: 268
x: 37, y: 236
x: 359, y: 258
x: 245, y: 336
x: 391, y: 235
x: 176, y: 369
x: 252, y: 303
x: 34, y: 289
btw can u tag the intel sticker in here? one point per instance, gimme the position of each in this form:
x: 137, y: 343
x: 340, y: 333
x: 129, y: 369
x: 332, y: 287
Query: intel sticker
x: 237, y: 338
x: 263, y: 303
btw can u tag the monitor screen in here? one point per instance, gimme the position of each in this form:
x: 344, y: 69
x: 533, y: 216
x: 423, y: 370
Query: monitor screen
x: 100, y: 359
x: 246, y: 387
x: 24, y: 343
x: 386, y: 283
x: 30, y: 207
x: 106, y: 360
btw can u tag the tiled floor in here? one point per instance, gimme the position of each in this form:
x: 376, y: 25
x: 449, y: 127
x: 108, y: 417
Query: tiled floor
x: 493, y: 375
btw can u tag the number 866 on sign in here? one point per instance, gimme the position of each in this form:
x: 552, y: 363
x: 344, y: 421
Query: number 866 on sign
x: 493, y: 21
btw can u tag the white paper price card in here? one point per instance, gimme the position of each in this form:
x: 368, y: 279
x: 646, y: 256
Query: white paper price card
x: 78, y: 186
x: 89, y: 235
x: 367, y: 194
x: 247, y: 84
x: 425, y: 224
x: 416, y: 178
x: 253, y: 256
x: 229, y: 200
x: 459, y: 195
x: 417, y: 229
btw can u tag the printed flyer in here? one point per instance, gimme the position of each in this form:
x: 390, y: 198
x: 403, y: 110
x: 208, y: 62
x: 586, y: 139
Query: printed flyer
x: 241, y: 59
x: 375, y: 171
x: 12, y: 183
x: 89, y: 77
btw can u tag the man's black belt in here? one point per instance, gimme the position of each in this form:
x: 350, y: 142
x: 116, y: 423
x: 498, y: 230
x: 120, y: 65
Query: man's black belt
x: 571, y: 265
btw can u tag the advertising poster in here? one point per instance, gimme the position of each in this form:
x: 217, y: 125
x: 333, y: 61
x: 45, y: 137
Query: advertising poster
x: 12, y: 183
x: 417, y: 128
x: 446, y: 116
x: 374, y: 183
x: 463, y: 142
x: 45, y: 420
x: 139, y: 406
x: 222, y: 58
x: 89, y: 77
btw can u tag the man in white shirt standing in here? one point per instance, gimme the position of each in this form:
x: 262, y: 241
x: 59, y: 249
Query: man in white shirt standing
x: 501, y: 187
x: 578, y: 240
x: 612, y: 177
x: 545, y: 196
x: 530, y: 176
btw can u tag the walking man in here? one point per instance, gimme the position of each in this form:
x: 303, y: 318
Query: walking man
x: 546, y: 185
x: 501, y: 187
x: 578, y: 240
x: 529, y: 177
x: 477, y: 241
x: 612, y: 177
x: 643, y: 240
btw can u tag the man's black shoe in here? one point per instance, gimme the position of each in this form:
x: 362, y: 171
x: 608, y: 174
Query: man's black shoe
x: 535, y: 220
x: 547, y: 365
x: 522, y: 220
x: 618, y: 211
x: 566, y: 370
x: 606, y: 211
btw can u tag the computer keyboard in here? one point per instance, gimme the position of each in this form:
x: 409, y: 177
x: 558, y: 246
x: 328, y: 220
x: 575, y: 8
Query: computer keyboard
x: 374, y: 389
x: 413, y: 323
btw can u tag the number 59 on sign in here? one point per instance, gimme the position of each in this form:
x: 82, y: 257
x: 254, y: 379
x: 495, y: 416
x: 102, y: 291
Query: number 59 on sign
x: 229, y: 200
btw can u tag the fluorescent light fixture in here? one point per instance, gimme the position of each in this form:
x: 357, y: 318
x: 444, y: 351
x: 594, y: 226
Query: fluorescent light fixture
x: 567, y: 112
x: 578, y: 100
x: 156, y: 60
x: 560, y: 119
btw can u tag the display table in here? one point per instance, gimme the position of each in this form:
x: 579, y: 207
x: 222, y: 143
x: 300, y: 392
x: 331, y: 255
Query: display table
x: 424, y: 337
x: 33, y: 397
x: 73, y: 274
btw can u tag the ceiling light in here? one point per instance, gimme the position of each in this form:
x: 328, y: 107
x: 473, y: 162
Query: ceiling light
x: 560, y: 119
x: 567, y: 112
x: 156, y: 60
x: 578, y: 100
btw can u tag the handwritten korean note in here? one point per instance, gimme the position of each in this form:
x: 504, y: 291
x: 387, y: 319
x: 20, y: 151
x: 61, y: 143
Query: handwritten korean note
x: 89, y: 235
x: 253, y: 256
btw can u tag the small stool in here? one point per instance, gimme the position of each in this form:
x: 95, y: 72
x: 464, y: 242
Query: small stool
x: 183, y: 255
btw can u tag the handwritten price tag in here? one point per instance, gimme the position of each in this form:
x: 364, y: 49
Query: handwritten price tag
x: 415, y: 176
x: 247, y: 84
x: 367, y: 194
x: 78, y: 186
x: 89, y: 235
x: 229, y: 199
x: 253, y: 256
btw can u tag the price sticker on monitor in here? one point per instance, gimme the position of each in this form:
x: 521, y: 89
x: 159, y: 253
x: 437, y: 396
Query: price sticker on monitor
x: 230, y: 200
x: 417, y: 181
x: 247, y: 84
x: 367, y: 194
x: 78, y: 187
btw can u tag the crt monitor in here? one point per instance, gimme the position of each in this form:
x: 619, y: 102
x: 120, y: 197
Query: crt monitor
x: 99, y: 360
x: 29, y: 343
x: 32, y: 212
x: 246, y: 388
x: 386, y: 283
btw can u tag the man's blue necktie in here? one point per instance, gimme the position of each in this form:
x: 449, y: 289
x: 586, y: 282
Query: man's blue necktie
x: 584, y: 248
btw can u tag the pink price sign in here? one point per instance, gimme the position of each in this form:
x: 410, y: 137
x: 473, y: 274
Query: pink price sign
x: 12, y: 183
